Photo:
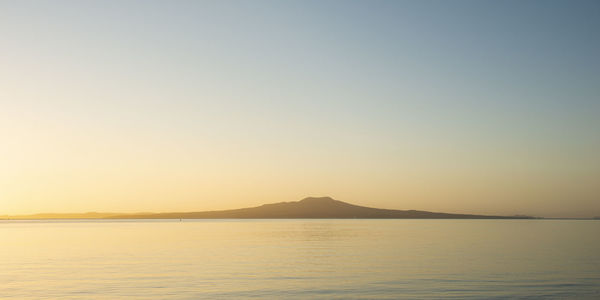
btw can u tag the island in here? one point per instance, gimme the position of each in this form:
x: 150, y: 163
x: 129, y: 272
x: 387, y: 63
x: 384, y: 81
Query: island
x: 311, y: 208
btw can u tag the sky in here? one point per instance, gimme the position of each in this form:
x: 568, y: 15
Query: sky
x: 488, y: 107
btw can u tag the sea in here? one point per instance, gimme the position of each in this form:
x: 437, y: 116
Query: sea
x: 300, y: 259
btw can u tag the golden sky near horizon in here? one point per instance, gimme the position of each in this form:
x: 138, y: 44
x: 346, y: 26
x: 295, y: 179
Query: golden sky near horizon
x: 202, y: 106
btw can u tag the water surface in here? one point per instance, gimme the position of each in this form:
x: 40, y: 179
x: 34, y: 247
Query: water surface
x: 304, y: 259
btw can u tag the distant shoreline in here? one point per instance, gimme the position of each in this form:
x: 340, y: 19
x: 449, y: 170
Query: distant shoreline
x: 307, y: 208
x: 216, y: 219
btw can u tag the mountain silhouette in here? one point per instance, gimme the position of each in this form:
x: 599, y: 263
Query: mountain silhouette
x: 312, y: 208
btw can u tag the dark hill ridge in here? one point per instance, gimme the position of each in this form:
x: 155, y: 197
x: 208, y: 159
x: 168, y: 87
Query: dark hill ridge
x: 311, y: 208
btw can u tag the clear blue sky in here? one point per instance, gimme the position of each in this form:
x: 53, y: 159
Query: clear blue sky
x: 467, y: 106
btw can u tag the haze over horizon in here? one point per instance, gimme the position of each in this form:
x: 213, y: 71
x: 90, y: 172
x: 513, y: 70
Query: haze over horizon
x: 472, y: 107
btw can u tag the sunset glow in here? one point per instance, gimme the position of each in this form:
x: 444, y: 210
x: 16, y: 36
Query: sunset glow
x: 121, y: 107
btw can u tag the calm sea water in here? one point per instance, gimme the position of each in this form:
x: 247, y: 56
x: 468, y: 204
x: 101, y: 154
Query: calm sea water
x: 304, y: 259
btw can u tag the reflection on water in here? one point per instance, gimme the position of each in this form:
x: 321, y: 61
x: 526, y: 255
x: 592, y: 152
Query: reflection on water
x: 300, y: 259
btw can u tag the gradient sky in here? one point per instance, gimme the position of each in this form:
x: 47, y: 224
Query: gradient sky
x: 457, y: 106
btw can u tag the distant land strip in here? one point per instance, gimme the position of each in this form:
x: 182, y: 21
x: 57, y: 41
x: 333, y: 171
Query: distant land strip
x: 307, y: 208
